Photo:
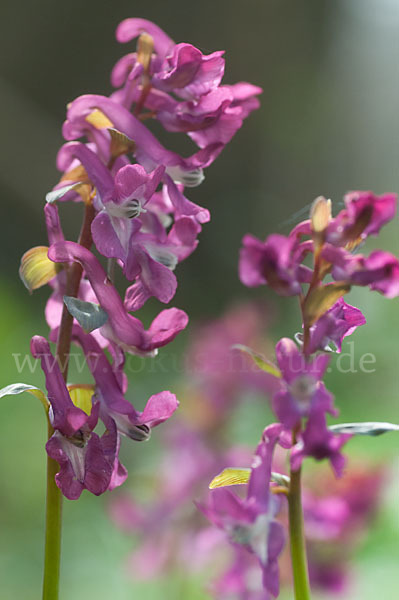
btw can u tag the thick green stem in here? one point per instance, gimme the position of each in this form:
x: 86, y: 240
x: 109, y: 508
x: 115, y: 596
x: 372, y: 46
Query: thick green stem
x: 297, y: 539
x: 53, y: 531
x: 52, y: 552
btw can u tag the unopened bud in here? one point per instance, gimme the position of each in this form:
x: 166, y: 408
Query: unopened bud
x: 145, y: 47
x: 320, y: 214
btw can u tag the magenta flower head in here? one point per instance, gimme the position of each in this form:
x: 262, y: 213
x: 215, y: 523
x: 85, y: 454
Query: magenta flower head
x: 275, y: 262
x: 302, y: 401
x: 251, y: 522
x: 302, y: 390
x: 340, y: 321
x: 364, y: 215
x: 379, y: 271
x: 278, y: 262
x: 86, y: 460
x: 209, y: 112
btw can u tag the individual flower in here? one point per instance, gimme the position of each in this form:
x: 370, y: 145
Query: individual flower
x: 364, y: 215
x: 121, y: 328
x: 275, y: 262
x: 215, y: 117
x: 340, y: 321
x: 379, y: 271
x: 251, y: 522
x: 302, y: 391
x: 86, y: 460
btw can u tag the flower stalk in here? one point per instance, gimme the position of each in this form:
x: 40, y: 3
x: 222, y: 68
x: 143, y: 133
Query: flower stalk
x: 297, y: 538
x: 52, y: 552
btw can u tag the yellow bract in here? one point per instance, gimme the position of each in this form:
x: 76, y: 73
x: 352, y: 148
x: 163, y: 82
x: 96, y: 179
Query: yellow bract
x: 36, y: 268
x: 262, y: 363
x: 40, y: 396
x: 321, y: 299
x: 99, y: 120
x: 230, y: 476
x: 81, y: 396
x: 120, y: 143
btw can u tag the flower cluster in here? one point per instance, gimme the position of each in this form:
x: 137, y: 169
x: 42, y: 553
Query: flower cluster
x: 198, y: 445
x: 139, y: 219
x: 301, y: 401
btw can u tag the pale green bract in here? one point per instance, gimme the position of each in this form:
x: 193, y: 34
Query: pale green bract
x: 367, y: 428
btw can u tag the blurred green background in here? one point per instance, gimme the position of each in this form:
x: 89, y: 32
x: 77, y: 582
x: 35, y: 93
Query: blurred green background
x: 328, y: 123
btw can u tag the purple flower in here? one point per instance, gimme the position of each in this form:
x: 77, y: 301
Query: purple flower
x: 302, y: 392
x: 338, y: 322
x: 380, y: 271
x: 129, y: 29
x: 121, y: 328
x: 364, y: 215
x: 148, y: 150
x: 153, y: 258
x: 275, y: 262
x: 189, y: 73
x: 250, y: 522
x: 86, y: 460
x: 215, y: 117
x: 320, y: 443
x: 113, y: 404
x: 210, y: 113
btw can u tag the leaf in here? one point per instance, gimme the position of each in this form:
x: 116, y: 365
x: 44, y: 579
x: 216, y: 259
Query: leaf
x: 90, y: 316
x: 55, y: 195
x: 321, y: 299
x: 37, y: 269
x: 373, y: 428
x: 81, y: 396
x: 230, y: 476
x: 262, y: 363
x: 20, y: 388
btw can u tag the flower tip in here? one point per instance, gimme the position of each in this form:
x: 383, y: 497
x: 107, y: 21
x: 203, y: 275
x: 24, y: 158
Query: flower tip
x: 320, y: 214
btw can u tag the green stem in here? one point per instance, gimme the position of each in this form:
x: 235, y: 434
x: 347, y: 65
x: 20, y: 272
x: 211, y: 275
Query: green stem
x: 297, y: 539
x: 52, y: 553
